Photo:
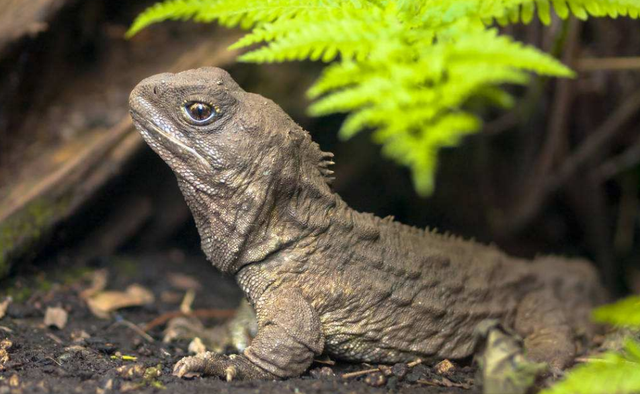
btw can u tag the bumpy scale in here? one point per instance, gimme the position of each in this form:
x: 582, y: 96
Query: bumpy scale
x: 322, y: 277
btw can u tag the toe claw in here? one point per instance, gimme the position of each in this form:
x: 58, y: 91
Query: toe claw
x: 184, y: 366
x: 230, y: 373
x: 178, y: 369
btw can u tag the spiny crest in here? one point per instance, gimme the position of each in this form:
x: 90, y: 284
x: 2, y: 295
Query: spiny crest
x: 323, y: 165
x: 314, y: 158
x: 432, y: 233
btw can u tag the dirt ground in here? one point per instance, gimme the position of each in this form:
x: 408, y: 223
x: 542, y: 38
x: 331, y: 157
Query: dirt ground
x: 93, y: 355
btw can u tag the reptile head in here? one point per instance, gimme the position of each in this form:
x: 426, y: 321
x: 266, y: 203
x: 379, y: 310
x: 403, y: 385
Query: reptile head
x: 237, y: 155
x: 188, y: 119
x: 212, y: 133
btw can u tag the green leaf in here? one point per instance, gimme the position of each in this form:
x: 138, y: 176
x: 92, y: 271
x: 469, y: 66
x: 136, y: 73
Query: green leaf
x: 405, y: 69
x: 613, y: 373
x: 625, y: 313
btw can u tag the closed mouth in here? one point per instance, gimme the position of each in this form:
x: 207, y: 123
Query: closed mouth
x: 148, y: 126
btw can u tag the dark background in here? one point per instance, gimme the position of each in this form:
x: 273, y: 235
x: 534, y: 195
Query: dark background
x: 557, y: 174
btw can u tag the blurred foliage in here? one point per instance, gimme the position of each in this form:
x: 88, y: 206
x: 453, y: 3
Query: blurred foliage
x: 404, y: 68
x: 613, y: 372
x: 624, y: 313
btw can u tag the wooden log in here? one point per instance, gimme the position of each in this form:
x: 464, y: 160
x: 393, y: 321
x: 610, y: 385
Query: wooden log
x: 20, y: 18
x: 65, y: 175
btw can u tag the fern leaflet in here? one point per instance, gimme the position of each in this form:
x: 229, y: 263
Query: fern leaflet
x: 611, y: 373
x: 403, y: 68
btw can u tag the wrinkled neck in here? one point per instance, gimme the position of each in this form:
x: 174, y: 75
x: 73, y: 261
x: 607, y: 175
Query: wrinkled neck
x: 245, y: 218
x: 238, y: 221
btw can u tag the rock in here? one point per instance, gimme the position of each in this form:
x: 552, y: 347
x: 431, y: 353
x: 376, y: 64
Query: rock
x: 322, y: 373
x: 400, y: 370
x: 375, y: 379
x: 444, y: 367
x: 386, y: 370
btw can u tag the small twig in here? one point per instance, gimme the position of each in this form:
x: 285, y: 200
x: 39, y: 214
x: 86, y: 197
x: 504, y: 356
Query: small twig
x: 372, y: 370
x: 620, y: 163
x: 187, y: 301
x: 595, y: 358
x: 205, y: 313
x: 359, y: 373
x: 557, y: 134
x: 627, y: 215
x: 608, y: 63
x: 596, y: 141
x: 326, y: 361
x: 135, y: 328
x: 587, y: 359
x: 505, y: 122
x: 533, y: 193
x: 54, y: 338
x: 414, y: 363
x: 444, y: 383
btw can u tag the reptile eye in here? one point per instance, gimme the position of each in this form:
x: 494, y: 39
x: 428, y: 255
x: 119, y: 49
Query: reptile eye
x: 200, y: 112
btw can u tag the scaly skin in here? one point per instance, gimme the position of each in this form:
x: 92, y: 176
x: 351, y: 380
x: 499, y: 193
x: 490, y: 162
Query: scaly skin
x: 321, y: 276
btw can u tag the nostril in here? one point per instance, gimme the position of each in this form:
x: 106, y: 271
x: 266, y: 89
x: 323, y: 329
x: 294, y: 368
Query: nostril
x: 155, y: 90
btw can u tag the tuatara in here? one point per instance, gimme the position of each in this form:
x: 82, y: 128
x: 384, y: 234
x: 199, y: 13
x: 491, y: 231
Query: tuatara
x: 322, y: 277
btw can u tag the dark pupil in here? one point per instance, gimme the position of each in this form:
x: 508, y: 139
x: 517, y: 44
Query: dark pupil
x: 199, y: 111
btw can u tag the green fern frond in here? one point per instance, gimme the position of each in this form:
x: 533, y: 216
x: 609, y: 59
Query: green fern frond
x: 246, y: 13
x: 611, y: 373
x: 502, y: 50
x: 405, y: 69
x: 624, y: 313
x: 316, y: 37
x: 523, y: 11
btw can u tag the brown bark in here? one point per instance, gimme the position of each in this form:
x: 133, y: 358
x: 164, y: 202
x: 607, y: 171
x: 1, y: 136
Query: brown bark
x: 42, y: 184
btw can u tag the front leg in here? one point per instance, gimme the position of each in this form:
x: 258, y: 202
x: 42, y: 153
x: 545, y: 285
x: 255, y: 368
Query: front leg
x: 548, y: 337
x: 289, y: 336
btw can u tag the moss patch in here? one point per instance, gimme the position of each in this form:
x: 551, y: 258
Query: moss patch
x: 23, y: 229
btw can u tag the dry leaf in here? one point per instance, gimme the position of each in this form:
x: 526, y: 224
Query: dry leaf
x: 187, y: 301
x: 5, y: 345
x: 3, y: 306
x: 56, y: 317
x: 105, y: 302
x: 183, y: 282
x: 170, y: 297
x: 98, y: 283
x: 196, y: 346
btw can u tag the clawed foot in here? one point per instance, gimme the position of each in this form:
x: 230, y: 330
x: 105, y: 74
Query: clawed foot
x: 207, y: 363
x: 234, y: 367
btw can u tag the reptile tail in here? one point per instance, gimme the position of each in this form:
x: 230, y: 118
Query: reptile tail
x: 576, y: 284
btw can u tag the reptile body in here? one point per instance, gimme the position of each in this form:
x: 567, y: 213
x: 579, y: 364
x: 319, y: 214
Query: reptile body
x: 322, y: 277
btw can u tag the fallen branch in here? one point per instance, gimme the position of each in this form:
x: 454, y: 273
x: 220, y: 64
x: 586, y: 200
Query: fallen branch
x: 608, y: 64
x: 620, y: 163
x: 596, y: 141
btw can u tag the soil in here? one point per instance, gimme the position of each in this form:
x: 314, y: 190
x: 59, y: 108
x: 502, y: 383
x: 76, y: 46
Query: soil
x: 93, y: 355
